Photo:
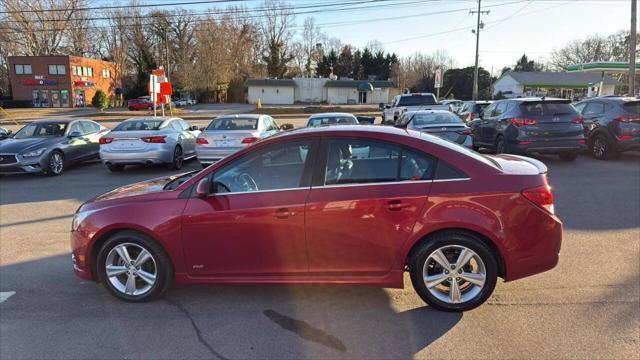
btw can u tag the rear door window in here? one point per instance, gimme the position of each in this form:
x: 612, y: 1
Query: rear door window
x: 357, y: 161
x: 593, y: 109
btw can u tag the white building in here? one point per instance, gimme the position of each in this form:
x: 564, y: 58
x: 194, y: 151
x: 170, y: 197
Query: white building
x: 319, y: 90
x: 522, y: 83
x: 271, y: 91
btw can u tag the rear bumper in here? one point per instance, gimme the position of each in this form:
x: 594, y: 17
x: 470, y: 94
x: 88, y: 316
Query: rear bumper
x: 627, y: 145
x: 136, y: 158
x: 548, y: 147
x: 211, y: 155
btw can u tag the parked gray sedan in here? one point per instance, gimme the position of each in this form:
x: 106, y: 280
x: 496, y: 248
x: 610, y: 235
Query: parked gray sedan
x: 228, y: 134
x: 147, y: 141
x: 49, y: 146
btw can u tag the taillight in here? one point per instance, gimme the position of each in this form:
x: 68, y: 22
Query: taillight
x: 103, y: 141
x: 628, y: 118
x: 578, y: 120
x: 523, y: 122
x: 471, y: 116
x: 249, y: 140
x: 201, y: 141
x: 154, y: 139
x: 582, y: 142
x: 540, y: 196
x: 625, y: 137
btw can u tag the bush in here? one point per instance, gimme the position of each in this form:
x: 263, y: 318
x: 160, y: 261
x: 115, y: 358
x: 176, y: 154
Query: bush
x: 100, y: 100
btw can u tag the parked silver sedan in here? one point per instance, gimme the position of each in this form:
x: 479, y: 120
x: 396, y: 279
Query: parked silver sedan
x: 228, y: 134
x: 334, y: 118
x: 147, y: 141
x: 49, y: 146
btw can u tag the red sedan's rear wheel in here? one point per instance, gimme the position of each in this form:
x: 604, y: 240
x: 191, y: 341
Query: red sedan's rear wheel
x: 454, y: 271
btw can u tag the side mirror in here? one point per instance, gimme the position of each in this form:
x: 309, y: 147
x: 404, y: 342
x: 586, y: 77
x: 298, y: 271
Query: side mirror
x: 74, y: 134
x: 202, y: 128
x: 387, y: 106
x: 286, y: 126
x: 202, y: 189
x: 193, y: 128
x: 381, y: 106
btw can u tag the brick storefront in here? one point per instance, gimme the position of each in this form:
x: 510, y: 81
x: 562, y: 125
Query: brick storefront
x: 60, y: 81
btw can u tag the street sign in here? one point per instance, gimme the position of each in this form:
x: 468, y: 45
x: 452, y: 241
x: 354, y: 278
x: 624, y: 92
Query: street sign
x: 438, y: 79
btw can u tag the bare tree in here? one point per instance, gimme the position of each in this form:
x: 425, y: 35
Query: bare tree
x: 40, y: 31
x: 276, y: 36
x: 311, y: 42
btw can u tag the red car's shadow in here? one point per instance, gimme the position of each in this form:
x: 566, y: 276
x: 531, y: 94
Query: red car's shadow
x: 52, y: 309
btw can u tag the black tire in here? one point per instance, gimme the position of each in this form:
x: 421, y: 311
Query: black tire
x: 54, y: 167
x: 571, y: 156
x: 501, y: 146
x: 601, y: 148
x: 177, y: 160
x: 161, y: 262
x: 453, y: 238
x: 115, y: 167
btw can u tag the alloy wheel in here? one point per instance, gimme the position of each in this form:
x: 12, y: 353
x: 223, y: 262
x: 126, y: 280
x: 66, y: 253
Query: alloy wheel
x: 131, y: 269
x: 56, y: 163
x: 454, y: 274
x: 177, y: 158
x: 599, y: 147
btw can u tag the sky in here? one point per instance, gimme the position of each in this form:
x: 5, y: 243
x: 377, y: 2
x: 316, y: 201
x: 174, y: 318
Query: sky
x: 513, y: 27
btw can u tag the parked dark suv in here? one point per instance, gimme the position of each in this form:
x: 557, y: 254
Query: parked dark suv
x: 612, y: 125
x: 530, y: 125
x: 472, y: 109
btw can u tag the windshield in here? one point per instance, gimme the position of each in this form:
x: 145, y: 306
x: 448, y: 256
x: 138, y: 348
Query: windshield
x: 547, y: 108
x: 233, y: 124
x: 420, y: 120
x: 179, y: 180
x: 138, y: 125
x: 42, y: 129
x: 417, y: 100
x: 331, y: 120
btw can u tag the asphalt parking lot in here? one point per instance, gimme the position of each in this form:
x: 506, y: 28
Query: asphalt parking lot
x: 587, y: 307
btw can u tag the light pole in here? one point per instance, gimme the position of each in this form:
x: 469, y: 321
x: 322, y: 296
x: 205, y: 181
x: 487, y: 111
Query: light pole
x: 632, y: 49
x: 479, y: 25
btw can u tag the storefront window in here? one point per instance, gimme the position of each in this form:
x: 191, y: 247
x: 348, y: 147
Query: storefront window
x: 57, y: 70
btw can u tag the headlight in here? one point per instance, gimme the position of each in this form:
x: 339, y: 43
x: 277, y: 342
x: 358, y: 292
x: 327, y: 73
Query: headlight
x: 34, y: 152
x: 79, y: 217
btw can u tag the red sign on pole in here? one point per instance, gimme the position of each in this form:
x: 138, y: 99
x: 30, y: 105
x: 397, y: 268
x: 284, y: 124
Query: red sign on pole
x: 165, y: 88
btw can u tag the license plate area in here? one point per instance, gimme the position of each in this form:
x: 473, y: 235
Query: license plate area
x: 227, y: 143
x: 128, y: 144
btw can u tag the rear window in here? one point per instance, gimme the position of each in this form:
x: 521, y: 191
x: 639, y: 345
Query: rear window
x: 417, y: 100
x: 331, y: 120
x: 541, y: 108
x: 425, y: 119
x: 481, y: 107
x: 632, y: 107
x: 233, y: 124
x: 461, y: 149
x: 138, y: 125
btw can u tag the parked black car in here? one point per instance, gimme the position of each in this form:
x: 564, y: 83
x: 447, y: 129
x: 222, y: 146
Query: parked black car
x: 472, y: 109
x: 530, y: 125
x: 612, y: 125
x: 49, y: 146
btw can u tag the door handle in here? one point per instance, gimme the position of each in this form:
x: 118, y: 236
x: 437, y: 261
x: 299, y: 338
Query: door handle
x: 283, y: 213
x: 397, y: 205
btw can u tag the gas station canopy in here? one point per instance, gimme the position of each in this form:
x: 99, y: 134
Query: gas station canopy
x: 602, y: 66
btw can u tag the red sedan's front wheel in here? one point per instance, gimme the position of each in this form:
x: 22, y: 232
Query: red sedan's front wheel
x: 454, y: 271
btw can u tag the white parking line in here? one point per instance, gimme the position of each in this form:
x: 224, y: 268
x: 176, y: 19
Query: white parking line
x: 4, y: 295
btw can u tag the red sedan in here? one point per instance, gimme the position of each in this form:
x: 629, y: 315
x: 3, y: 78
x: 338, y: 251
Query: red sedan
x: 339, y: 205
x: 139, y: 104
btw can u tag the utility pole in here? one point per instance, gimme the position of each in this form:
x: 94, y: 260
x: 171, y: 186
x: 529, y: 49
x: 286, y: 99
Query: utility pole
x: 632, y: 49
x: 479, y: 25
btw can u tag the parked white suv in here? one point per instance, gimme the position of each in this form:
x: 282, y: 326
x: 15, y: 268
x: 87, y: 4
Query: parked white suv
x: 409, y: 102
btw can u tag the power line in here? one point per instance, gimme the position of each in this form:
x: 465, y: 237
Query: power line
x: 131, y: 6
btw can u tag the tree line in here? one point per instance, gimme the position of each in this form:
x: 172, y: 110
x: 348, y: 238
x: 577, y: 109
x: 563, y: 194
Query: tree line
x: 211, y: 53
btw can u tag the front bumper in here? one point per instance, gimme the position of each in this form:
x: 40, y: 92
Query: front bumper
x: 156, y: 156
x: 211, y: 155
x: 81, y: 255
x: 24, y: 165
